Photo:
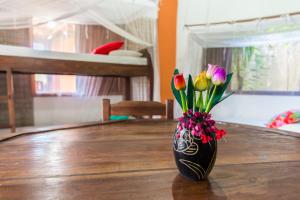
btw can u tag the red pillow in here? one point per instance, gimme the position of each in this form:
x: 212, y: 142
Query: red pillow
x: 108, y: 47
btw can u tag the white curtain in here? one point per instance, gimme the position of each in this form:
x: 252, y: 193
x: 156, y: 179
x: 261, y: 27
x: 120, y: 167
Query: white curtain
x: 146, y: 30
x: 88, y: 86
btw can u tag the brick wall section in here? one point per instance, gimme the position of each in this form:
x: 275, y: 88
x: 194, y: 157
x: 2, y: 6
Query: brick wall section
x: 22, y: 82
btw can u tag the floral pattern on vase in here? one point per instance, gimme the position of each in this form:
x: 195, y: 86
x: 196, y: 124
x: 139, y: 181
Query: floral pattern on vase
x: 194, y: 159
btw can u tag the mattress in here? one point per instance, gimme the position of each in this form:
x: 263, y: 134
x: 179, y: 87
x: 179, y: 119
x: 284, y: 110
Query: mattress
x: 7, y: 50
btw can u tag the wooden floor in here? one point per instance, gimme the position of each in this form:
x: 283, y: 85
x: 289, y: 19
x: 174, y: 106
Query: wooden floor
x: 134, y: 160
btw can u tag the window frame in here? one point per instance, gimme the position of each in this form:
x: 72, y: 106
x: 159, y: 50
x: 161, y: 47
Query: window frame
x: 263, y: 92
x: 35, y: 94
x: 260, y: 92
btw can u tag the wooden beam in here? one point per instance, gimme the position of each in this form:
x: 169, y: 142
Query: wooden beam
x: 10, y: 96
x: 138, y: 108
x: 69, y: 67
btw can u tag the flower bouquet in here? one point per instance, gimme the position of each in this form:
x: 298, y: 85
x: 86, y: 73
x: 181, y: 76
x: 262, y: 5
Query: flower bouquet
x: 195, y: 138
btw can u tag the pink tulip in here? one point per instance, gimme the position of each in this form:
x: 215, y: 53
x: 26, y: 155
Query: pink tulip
x: 210, y: 71
x: 219, y: 76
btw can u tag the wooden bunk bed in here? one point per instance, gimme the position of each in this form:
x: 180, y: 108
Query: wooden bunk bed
x: 26, y: 60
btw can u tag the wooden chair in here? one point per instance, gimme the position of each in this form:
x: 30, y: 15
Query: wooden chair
x: 138, y: 109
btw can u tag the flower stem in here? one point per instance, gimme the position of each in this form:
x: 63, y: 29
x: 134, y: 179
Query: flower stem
x: 183, y: 101
x: 186, y: 103
x: 194, y: 101
x: 208, y: 107
x: 207, y: 97
x: 200, y: 101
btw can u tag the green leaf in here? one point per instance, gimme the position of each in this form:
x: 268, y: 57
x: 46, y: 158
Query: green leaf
x: 220, y: 91
x: 190, y: 92
x: 176, y: 93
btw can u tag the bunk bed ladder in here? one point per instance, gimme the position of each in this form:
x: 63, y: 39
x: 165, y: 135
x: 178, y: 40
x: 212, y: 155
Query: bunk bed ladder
x: 9, y: 99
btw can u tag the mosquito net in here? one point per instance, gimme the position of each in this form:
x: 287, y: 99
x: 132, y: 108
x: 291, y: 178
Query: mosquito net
x: 262, y: 53
x: 74, y: 26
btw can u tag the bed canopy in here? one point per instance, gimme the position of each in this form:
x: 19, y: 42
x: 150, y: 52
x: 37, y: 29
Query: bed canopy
x: 76, y: 27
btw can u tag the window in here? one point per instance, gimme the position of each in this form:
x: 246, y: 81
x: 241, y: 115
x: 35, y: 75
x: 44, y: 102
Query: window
x: 269, y: 68
x: 54, y: 37
x: 55, y: 84
x: 264, y: 69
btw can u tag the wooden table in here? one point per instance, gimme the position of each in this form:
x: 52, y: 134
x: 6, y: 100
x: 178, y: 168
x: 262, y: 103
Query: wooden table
x: 134, y: 160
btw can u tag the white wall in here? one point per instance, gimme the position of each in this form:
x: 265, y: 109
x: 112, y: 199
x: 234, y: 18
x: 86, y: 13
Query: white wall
x: 254, y: 109
x: 65, y: 110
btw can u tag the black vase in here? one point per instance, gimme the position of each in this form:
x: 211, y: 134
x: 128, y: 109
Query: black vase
x: 194, y: 159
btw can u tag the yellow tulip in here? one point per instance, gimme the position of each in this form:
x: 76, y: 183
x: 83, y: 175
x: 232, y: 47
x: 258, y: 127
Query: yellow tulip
x: 201, y: 82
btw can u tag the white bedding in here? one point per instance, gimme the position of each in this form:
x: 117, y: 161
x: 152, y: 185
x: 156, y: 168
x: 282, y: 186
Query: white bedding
x: 7, y: 50
x: 125, y: 53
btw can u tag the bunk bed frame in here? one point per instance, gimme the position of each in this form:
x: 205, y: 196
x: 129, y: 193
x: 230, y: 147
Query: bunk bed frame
x: 15, y: 60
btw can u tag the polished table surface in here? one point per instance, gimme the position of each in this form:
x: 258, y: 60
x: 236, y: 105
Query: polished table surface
x: 134, y: 160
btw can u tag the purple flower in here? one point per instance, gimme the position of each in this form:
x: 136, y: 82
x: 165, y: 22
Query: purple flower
x: 210, y: 71
x: 219, y: 76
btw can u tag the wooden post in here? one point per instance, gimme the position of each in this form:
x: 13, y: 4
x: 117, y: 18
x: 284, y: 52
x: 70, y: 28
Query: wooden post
x: 127, y: 92
x: 169, y: 109
x: 10, y: 100
x: 151, y: 85
x: 105, y: 109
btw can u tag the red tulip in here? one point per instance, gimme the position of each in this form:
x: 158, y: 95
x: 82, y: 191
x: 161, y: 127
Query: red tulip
x: 179, y: 82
